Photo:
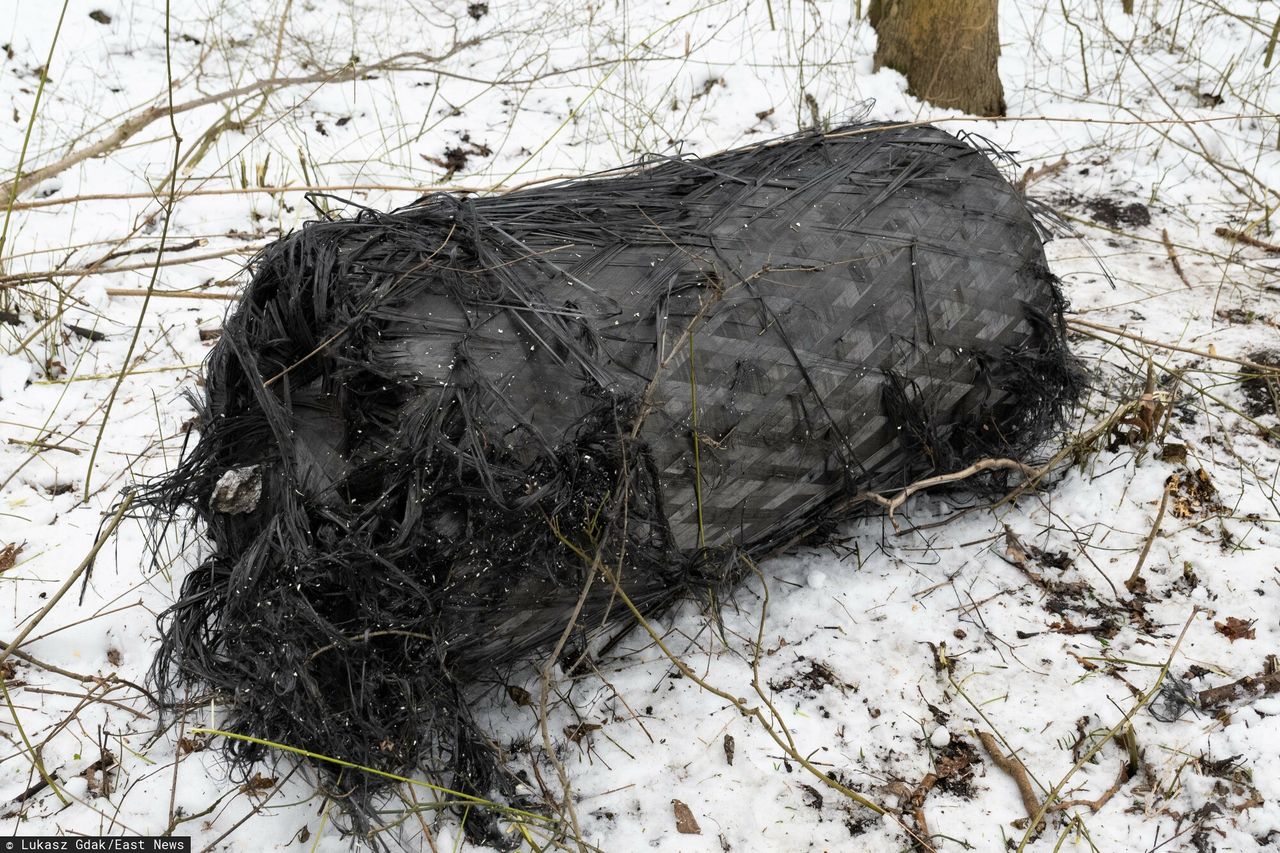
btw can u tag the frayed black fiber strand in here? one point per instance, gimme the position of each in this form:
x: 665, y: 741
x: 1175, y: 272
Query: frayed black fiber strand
x: 420, y: 428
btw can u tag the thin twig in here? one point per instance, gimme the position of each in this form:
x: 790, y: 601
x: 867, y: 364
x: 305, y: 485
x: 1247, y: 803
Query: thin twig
x: 155, y: 269
x: 1243, y: 688
x: 13, y: 189
x: 43, y: 445
x: 895, y: 503
x: 1126, y: 720
x: 1112, y: 330
x: 37, y: 759
x: 1169, y: 485
x: 1030, y: 176
x: 1096, y: 805
x: 173, y: 294
x: 137, y: 123
x: 1241, y: 237
x: 97, y: 269
x: 1173, y: 257
x: 1011, y: 765
x: 71, y: 579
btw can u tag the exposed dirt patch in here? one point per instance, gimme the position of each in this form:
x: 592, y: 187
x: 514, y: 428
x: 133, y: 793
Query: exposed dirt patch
x: 810, y: 678
x: 1194, y: 495
x: 457, y: 157
x: 1262, y: 393
x: 1109, y: 211
x: 956, y: 763
x: 1116, y: 214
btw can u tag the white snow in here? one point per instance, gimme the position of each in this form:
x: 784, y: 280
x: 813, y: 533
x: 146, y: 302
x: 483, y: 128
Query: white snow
x: 882, y: 656
x: 15, y: 372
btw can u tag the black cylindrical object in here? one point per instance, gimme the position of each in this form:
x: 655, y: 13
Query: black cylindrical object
x: 423, y: 428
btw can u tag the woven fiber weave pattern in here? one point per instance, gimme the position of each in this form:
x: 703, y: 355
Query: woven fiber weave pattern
x: 460, y: 410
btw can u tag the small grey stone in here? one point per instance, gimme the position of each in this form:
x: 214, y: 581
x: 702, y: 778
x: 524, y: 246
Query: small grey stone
x: 238, y: 491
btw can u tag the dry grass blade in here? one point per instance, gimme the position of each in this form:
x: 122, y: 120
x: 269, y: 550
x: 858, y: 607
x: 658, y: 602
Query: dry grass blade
x: 155, y: 267
x: 79, y: 570
x: 137, y: 123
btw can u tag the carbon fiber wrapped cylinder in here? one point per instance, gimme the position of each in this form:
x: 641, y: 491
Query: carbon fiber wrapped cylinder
x: 441, y: 422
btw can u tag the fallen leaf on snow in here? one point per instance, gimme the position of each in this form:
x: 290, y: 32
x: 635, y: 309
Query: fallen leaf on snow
x: 1236, y: 629
x: 9, y: 555
x: 578, y: 732
x: 686, y: 824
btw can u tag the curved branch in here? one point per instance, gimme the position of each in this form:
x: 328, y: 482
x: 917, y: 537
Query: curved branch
x: 136, y: 124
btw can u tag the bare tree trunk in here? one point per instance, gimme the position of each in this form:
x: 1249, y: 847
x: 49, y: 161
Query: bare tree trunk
x: 947, y: 49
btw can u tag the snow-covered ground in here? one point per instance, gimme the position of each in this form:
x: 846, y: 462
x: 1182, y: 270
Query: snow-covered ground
x: 888, y: 658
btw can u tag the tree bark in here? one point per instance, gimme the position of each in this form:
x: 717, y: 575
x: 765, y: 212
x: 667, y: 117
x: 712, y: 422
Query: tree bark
x: 947, y: 50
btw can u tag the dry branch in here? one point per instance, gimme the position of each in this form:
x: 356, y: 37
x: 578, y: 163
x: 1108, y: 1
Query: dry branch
x: 1030, y: 176
x: 1249, y: 687
x: 1241, y: 237
x: 1095, y: 805
x: 1112, y: 330
x: 1125, y: 722
x: 1127, y: 771
x: 174, y: 294
x: 139, y: 122
x: 71, y: 579
x: 1132, y: 582
x: 895, y: 503
x: 1011, y: 765
x: 96, y: 268
x: 1173, y: 257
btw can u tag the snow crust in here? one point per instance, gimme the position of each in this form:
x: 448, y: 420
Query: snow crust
x: 882, y: 656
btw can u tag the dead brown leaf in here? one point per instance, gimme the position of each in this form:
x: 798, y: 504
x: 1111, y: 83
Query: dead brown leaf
x: 578, y: 732
x: 1193, y: 495
x: 1027, y: 558
x: 686, y: 824
x: 9, y: 555
x: 1143, y: 421
x: 188, y: 745
x: 258, y: 783
x: 1236, y: 629
x: 812, y: 798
